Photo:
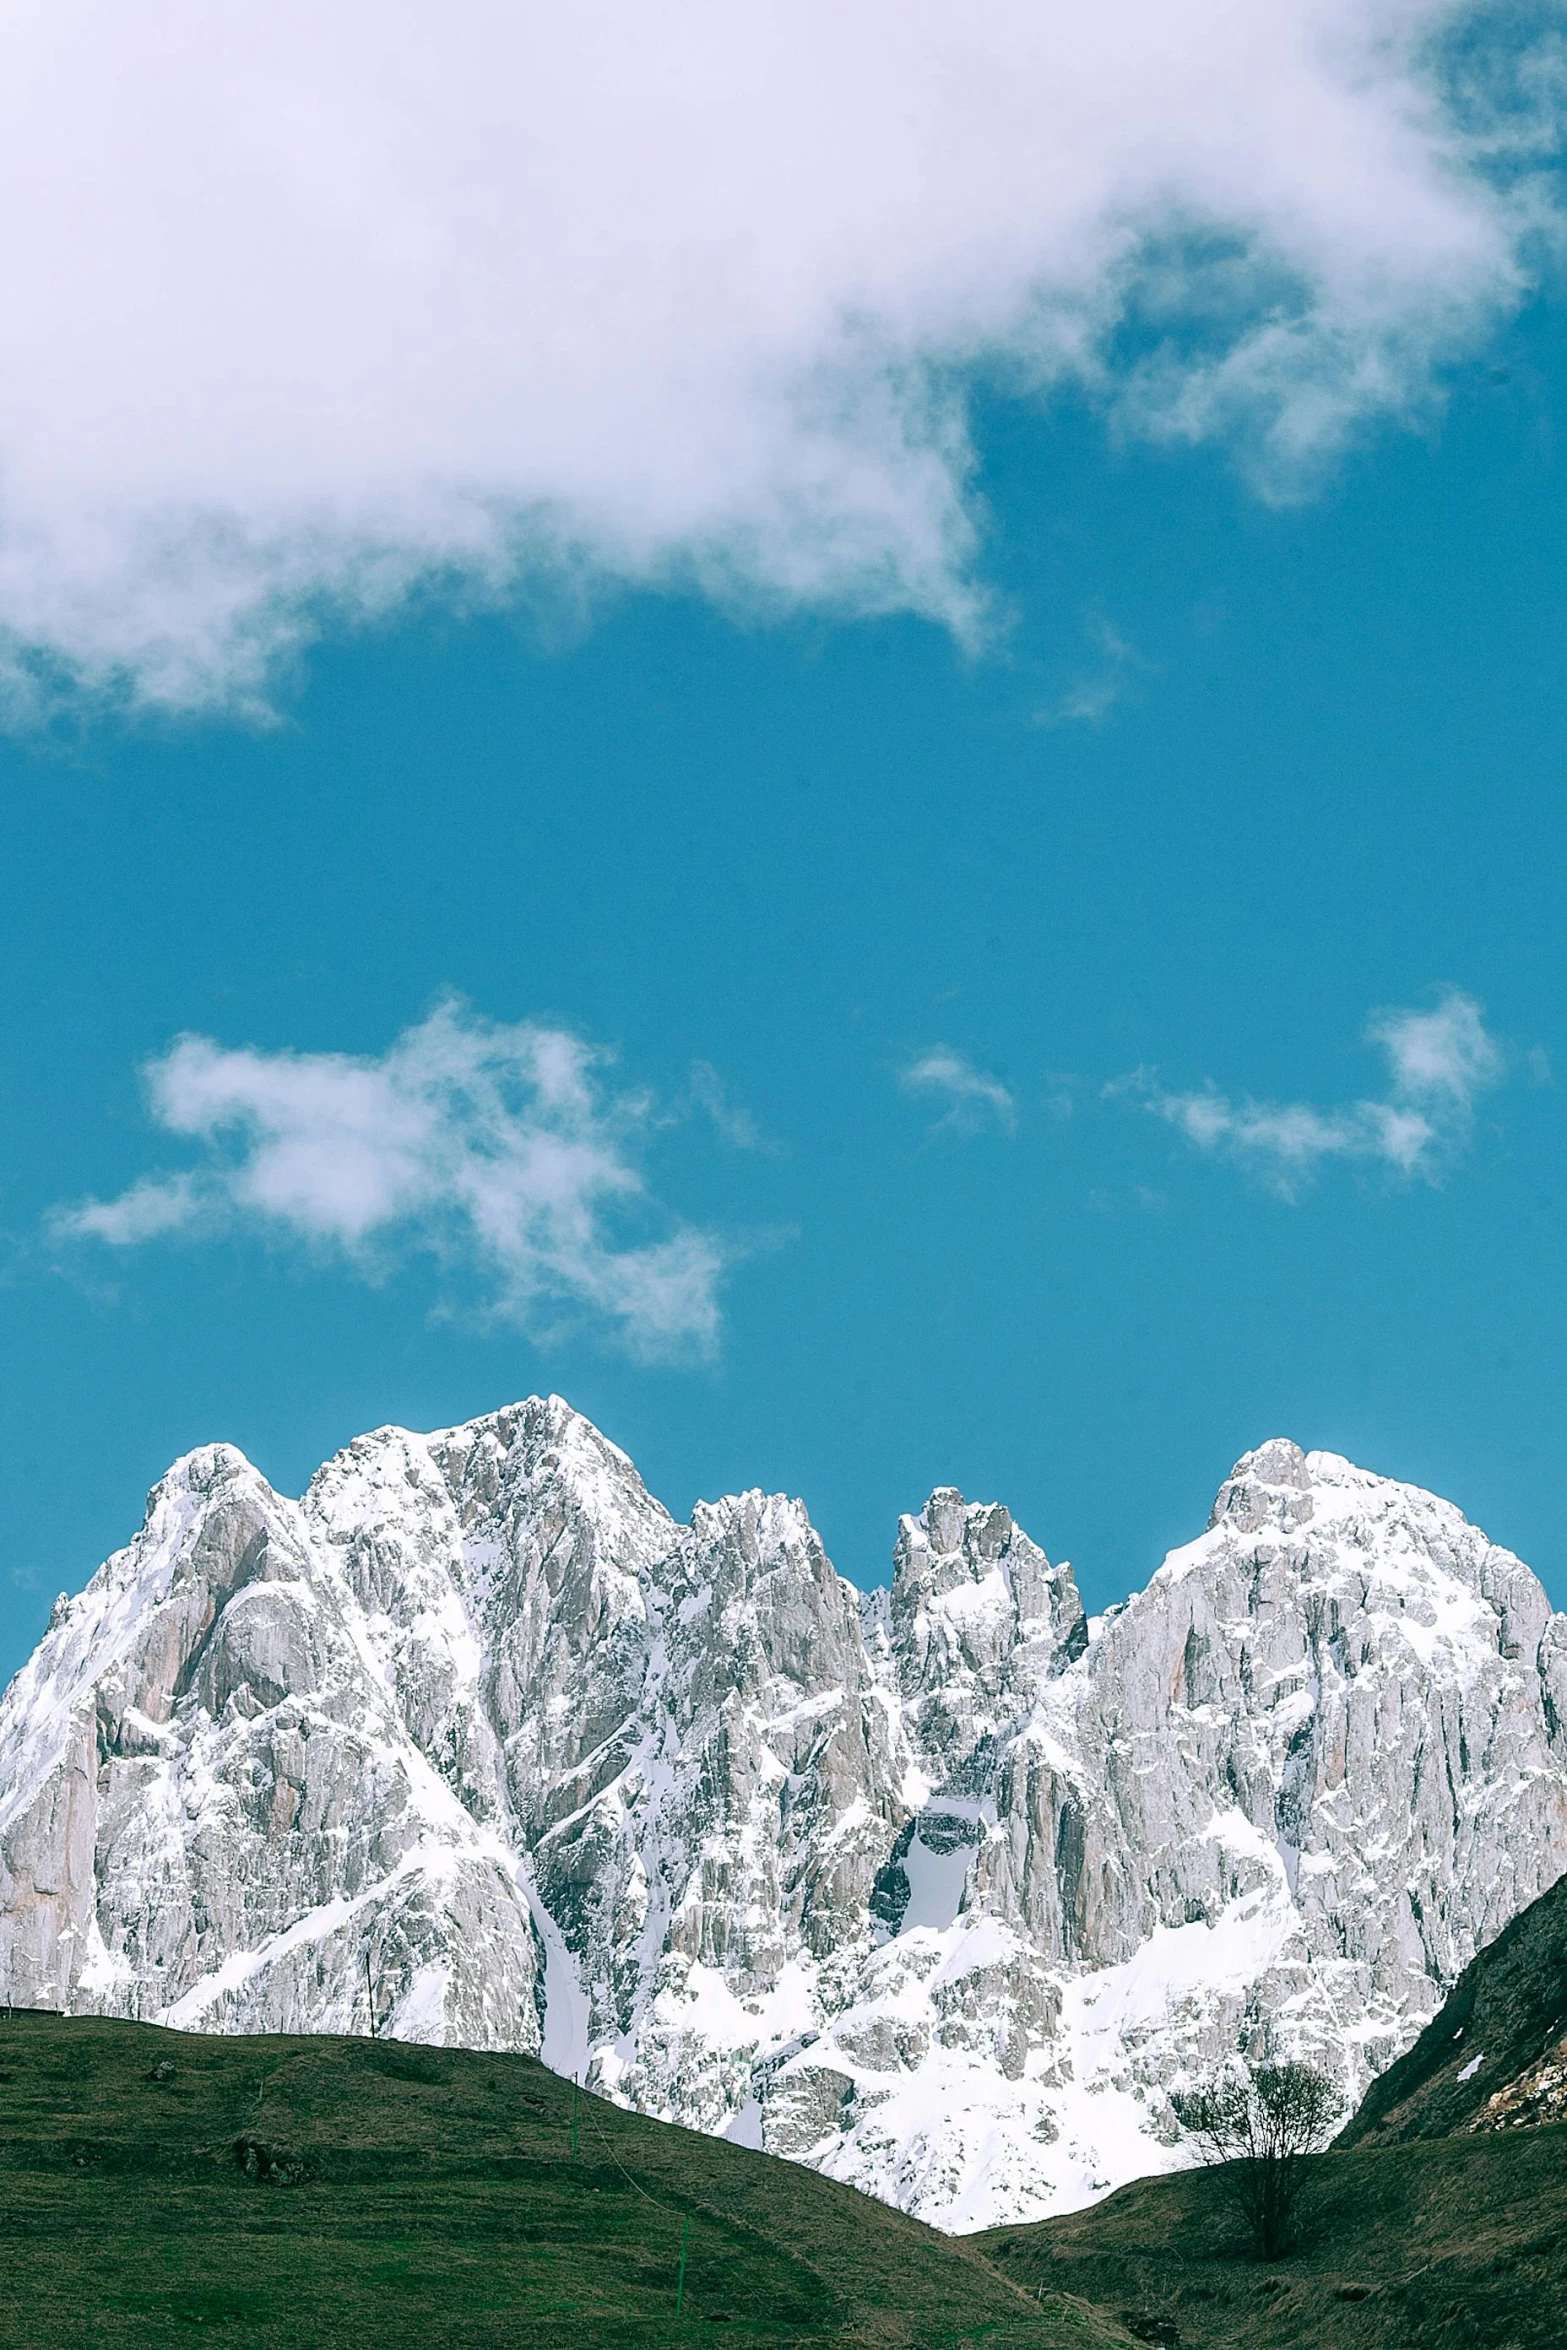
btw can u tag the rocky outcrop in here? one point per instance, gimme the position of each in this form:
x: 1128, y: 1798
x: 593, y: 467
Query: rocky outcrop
x: 941, y: 1889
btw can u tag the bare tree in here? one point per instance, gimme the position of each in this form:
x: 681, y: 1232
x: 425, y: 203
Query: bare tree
x: 1263, y: 2124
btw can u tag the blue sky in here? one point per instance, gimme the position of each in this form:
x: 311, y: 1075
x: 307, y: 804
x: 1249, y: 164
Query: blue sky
x: 1043, y: 1031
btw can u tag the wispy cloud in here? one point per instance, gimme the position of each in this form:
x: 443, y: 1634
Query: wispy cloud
x: 969, y: 1096
x: 1102, y: 685
x: 505, y: 1151
x: 1439, y: 1061
x: 709, y: 1094
x: 483, y: 304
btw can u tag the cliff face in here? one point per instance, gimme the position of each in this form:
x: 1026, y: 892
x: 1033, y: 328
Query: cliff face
x: 937, y: 1889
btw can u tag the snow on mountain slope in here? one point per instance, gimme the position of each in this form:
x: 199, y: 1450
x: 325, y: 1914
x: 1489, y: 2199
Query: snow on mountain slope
x: 940, y: 1890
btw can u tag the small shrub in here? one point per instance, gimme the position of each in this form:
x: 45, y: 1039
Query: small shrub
x: 1263, y: 2126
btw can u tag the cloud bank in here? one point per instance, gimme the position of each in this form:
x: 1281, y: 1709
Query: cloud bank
x: 308, y: 310
x: 502, y: 1150
x: 1439, y: 1062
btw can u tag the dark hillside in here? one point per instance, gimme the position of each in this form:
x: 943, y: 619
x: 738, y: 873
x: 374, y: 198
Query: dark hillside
x: 307, y: 2194
x: 1437, y: 2244
x: 1495, y: 2055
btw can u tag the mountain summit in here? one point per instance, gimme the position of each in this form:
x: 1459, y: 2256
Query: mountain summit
x: 939, y: 1889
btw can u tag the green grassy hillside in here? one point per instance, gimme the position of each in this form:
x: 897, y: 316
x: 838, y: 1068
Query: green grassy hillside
x: 309, y: 2194
x: 1435, y: 2244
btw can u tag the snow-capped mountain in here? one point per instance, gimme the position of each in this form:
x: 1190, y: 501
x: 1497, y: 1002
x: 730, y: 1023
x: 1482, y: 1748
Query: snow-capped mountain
x: 938, y: 1889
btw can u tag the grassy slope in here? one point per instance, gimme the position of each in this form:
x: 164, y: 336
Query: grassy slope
x: 439, y: 2205
x: 1506, y: 2015
x: 1435, y: 2244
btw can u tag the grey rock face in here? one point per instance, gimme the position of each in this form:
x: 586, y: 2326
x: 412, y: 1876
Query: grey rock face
x: 212, y: 1811
x: 980, y: 1623
x: 941, y: 1889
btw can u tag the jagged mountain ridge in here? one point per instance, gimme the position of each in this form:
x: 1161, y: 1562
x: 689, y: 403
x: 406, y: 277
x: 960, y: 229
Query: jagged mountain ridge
x: 938, y: 1889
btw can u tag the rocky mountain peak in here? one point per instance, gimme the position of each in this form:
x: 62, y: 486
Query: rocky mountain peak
x: 1269, y: 1487
x: 214, y: 1534
x: 979, y: 1621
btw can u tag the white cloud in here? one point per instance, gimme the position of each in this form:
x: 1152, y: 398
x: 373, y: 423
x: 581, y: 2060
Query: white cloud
x: 1443, y: 1052
x: 315, y: 305
x: 501, y: 1149
x: 1438, y: 1062
x: 971, y: 1097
